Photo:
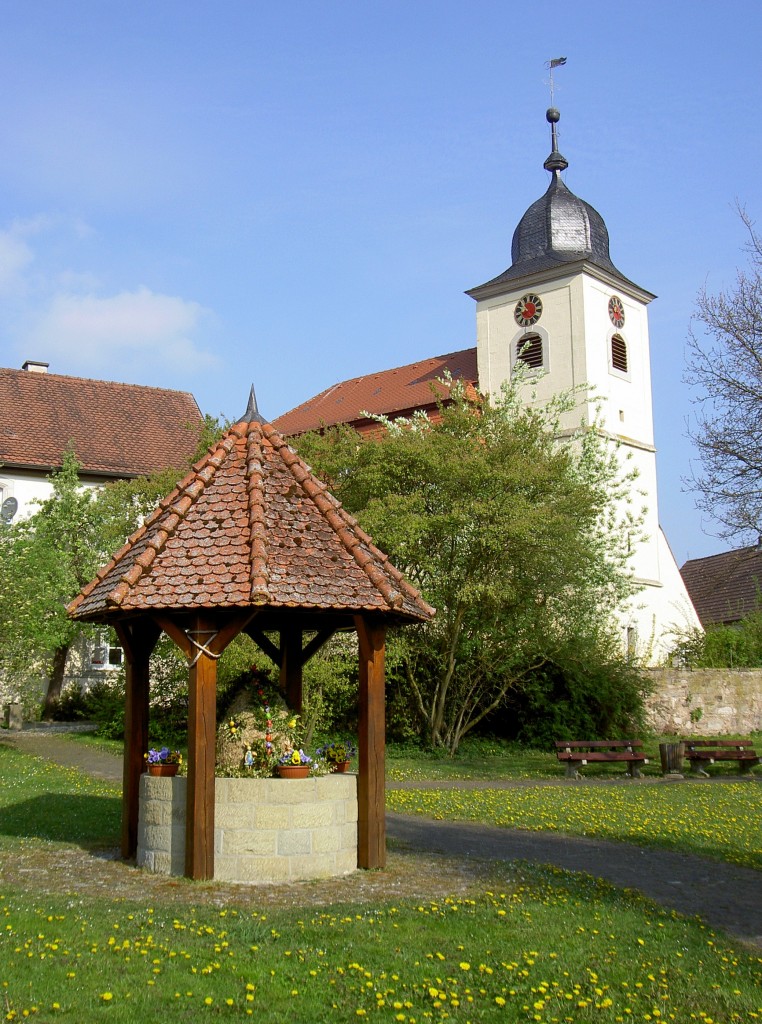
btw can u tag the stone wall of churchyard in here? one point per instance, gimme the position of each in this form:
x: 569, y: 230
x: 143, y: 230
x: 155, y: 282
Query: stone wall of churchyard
x: 706, y: 701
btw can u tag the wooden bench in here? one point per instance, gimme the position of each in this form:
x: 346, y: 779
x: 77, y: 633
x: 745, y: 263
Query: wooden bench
x: 704, y: 752
x: 574, y: 753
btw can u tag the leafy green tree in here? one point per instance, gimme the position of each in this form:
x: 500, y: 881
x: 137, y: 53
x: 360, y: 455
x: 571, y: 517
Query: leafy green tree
x: 44, y: 561
x: 519, y: 541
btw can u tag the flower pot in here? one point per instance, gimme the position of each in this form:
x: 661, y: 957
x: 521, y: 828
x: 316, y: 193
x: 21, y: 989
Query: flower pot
x: 340, y: 766
x: 293, y: 771
x: 163, y: 770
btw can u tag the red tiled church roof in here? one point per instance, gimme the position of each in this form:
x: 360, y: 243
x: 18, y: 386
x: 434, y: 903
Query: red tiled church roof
x: 120, y: 430
x: 396, y: 392
x: 249, y: 525
x: 725, y: 587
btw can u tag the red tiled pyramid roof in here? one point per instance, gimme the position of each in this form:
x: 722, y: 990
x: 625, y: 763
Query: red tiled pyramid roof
x: 395, y: 392
x: 250, y: 525
x: 120, y: 430
x: 725, y: 587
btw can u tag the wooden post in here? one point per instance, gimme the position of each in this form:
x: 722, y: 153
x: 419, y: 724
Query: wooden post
x: 202, y: 736
x: 291, y: 667
x: 371, y: 791
x: 138, y: 640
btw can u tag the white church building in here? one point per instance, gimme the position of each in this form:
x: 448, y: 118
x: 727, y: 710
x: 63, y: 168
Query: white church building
x: 576, y: 322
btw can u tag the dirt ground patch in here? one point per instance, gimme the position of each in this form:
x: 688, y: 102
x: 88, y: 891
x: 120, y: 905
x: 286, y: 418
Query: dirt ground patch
x: 55, y: 871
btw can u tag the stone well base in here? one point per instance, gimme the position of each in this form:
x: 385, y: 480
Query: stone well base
x: 265, y: 830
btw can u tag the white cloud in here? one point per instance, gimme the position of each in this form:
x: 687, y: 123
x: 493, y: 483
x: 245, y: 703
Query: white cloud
x: 97, y: 334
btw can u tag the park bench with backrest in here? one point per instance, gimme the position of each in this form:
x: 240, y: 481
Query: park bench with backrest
x: 707, y: 751
x: 574, y: 753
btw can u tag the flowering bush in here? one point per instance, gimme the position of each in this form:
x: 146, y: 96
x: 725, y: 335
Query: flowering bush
x: 163, y: 756
x: 255, y: 727
x: 337, y: 752
x: 295, y: 757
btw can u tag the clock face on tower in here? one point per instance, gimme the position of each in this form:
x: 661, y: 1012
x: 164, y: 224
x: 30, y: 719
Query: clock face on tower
x: 616, y: 311
x: 528, y: 310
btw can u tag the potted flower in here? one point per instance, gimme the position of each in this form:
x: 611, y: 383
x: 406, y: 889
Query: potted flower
x: 163, y: 761
x: 338, y: 754
x: 294, y: 764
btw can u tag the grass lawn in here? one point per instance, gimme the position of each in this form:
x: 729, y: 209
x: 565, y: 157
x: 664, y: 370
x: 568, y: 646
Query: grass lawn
x: 544, y: 947
x: 715, y: 820
x: 539, y: 945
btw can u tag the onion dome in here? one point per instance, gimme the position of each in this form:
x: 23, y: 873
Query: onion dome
x: 560, y: 228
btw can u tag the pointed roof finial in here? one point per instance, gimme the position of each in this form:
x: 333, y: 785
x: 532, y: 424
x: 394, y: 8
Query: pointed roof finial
x: 555, y: 161
x: 252, y: 414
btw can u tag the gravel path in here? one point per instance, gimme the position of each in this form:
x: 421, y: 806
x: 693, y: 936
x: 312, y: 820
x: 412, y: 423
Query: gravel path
x: 724, y: 895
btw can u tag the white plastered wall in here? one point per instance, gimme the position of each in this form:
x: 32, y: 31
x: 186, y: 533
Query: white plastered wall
x: 29, y: 488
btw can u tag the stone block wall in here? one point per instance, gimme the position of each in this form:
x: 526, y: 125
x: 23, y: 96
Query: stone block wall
x: 706, y: 702
x: 266, y: 830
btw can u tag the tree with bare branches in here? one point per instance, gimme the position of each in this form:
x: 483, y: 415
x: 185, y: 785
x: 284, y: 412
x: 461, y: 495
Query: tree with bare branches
x: 725, y: 367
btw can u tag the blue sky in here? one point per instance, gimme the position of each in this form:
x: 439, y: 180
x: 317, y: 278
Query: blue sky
x: 205, y: 195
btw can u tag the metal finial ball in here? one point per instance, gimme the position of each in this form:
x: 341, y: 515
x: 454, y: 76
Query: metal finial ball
x: 552, y: 116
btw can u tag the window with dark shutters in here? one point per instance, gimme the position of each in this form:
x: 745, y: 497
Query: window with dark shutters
x: 619, y: 353
x: 529, y: 351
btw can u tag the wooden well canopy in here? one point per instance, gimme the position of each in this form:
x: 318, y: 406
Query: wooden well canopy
x: 250, y: 541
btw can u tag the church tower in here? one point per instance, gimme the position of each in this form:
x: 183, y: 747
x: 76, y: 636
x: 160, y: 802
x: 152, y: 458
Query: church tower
x: 575, y: 321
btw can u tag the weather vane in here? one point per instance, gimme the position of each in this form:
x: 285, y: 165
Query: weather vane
x: 557, y: 62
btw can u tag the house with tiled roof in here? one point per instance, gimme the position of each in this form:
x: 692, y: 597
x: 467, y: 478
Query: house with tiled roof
x: 573, y: 322
x: 118, y: 431
x: 727, y: 587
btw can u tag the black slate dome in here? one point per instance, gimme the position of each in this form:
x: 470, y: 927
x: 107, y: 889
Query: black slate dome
x: 558, y: 228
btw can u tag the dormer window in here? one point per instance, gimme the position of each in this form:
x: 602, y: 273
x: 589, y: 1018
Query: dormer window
x: 529, y: 350
x: 619, y: 354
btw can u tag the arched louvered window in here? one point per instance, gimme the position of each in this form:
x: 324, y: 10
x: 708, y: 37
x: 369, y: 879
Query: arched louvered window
x: 529, y: 351
x: 619, y: 353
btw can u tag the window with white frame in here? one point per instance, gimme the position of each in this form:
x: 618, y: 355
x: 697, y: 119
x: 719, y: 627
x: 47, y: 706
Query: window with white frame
x: 105, y: 652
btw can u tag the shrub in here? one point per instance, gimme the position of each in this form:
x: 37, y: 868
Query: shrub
x: 71, y: 706
x: 577, y: 696
x: 736, y: 646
